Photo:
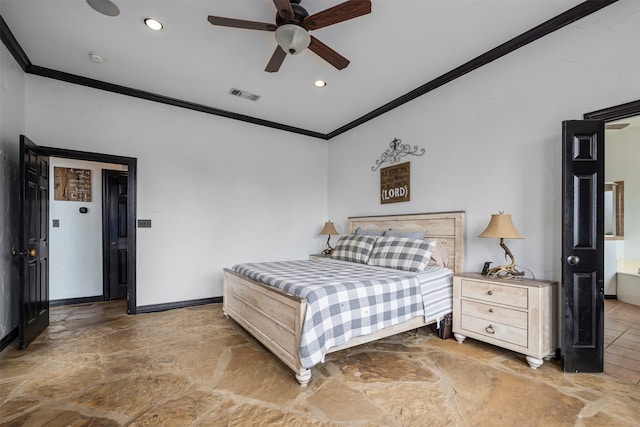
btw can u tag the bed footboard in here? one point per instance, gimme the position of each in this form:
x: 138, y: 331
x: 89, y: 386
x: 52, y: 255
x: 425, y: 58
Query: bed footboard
x: 272, y: 316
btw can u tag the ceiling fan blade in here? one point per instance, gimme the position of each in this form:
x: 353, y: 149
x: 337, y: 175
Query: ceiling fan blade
x: 284, y: 9
x: 276, y: 60
x: 341, y: 12
x: 616, y: 126
x: 328, y: 54
x: 240, y: 23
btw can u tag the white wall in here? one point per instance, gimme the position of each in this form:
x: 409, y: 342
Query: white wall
x: 623, y: 164
x: 218, y: 191
x: 613, y: 249
x: 11, y: 126
x: 75, y: 247
x: 493, y: 138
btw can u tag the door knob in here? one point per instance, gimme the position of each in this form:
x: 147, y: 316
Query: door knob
x: 114, y: 243
x: 573, y: 260
x: 26, y: 252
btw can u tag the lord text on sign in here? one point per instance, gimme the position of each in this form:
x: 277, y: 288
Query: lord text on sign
x: 395, y: 183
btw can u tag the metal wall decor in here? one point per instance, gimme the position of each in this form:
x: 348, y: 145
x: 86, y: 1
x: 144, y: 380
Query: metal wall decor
x: 396, y: 151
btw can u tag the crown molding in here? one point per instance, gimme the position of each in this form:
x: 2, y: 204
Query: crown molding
x: 621, y: 111
x: 13, y: 46
x: 149, y: 96
x: 576, y: 13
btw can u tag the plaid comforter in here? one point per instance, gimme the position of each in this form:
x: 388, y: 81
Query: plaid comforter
x: 346, y: 299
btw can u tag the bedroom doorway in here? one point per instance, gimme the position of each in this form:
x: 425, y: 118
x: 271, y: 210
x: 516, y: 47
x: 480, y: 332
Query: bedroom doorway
x: 128, y: 246
x: 33, y: 252
x: 608, y: 115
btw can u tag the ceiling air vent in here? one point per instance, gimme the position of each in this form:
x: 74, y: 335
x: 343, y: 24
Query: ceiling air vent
x: 244, y: 94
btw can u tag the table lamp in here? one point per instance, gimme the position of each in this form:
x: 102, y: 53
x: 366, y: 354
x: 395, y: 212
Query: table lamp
x: 501, y: 227
x: 329, y: 229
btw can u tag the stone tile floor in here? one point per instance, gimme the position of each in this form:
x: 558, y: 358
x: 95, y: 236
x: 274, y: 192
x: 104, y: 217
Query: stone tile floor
x: 622, y: 340
x: 96, y: 366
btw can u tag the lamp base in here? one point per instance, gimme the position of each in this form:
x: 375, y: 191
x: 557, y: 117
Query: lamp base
x: 508, y: 271
x: 329, y: 249
x: 504, y: 272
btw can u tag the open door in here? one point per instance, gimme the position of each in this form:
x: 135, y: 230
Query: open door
x: 33, y: 253
x: 583, y: 245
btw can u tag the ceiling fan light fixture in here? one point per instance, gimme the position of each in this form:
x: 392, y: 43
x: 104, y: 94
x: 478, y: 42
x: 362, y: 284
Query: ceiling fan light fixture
x: 292, y: 38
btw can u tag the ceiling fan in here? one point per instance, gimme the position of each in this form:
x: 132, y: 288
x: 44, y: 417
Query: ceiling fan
x: 292, y: 27
x: 616, y: 126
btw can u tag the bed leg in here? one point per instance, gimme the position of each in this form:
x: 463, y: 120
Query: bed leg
x: 303, y: 377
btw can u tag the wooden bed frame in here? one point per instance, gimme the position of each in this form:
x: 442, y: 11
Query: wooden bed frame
x: 275, y: 317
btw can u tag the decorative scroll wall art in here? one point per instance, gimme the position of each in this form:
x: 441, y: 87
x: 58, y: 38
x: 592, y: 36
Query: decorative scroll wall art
x: 72, y: 184
x: 395, y: 183
x: 396, y: 151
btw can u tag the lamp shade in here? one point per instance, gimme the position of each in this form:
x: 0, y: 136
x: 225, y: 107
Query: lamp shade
x: 501, y: 227
x: 292, y: 38
x: 329, y: 229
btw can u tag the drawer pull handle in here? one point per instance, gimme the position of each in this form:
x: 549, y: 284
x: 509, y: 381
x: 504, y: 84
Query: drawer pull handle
x: 490, y: 329
x: 491, y: 310
x: 490, y: 292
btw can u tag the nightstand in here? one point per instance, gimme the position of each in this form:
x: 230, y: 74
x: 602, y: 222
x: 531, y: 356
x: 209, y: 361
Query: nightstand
x: 519, y: 315
x: 317, y: 256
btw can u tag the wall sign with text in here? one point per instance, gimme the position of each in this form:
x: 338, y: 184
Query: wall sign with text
x: 72, y: 184
x: 395, y: 183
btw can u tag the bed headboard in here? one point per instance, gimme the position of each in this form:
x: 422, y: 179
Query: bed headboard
x: 447, y: 227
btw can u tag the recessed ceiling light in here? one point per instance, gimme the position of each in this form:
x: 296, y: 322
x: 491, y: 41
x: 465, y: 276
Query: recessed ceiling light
x: 153, y: 23
x: 320, y: 83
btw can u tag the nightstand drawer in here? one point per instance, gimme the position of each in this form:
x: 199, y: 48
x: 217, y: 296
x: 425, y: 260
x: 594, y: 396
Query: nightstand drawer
x: 495, y: 330
x: 493, y: 313
x: 495, y: 293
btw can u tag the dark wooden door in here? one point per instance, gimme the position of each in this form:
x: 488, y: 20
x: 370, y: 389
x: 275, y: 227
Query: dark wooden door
x: 33, y: 253
x: 583, y: 245
x: 116, y: 203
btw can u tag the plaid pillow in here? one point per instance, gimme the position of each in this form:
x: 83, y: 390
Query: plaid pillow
x: 402, y: 253
x: 354, y: 248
